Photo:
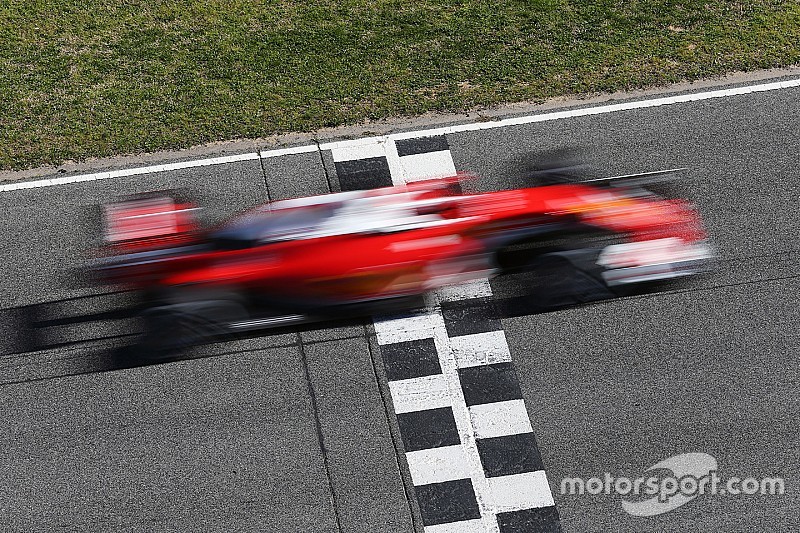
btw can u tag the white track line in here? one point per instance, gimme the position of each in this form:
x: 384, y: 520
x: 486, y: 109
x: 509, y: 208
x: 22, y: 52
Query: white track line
x: 528, y: 119
x: 128, y: 172
x: 289, y: 151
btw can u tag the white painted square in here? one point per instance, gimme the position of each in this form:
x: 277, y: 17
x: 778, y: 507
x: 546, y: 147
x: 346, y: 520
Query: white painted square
x: 478, y: 288
x: 480, y: 349
x: 428, y: 165
x: 419, y: 394
x: 370, y: 148
x: 499, y: 419
x: 407, y: 328
x: 520, y: 491
x: 437, y: 465
x: 465, y: 526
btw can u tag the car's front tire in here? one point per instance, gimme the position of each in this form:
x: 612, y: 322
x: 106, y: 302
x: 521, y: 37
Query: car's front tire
x: 562, y: 280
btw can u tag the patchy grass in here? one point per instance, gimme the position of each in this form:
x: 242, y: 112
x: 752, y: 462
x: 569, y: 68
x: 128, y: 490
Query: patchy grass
x: 96, y: 78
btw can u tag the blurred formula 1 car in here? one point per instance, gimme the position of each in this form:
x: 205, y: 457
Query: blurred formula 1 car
x: 362, y: 252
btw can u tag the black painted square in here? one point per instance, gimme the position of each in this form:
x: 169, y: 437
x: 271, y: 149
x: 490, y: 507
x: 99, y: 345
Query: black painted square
x: 536, y: 520
x: 509, y: 455
x: 411, y: 359
x: 432, y: 428
x: 369, y: 173
x: 489, y: 383
x: 451, y: 501
x: 467, y: 317
x: 421, y: 145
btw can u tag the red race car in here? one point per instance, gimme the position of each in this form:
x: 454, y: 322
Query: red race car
x: 362, y: 252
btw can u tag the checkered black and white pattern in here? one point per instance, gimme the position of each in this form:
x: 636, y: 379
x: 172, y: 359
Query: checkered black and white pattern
x: 468, y: 440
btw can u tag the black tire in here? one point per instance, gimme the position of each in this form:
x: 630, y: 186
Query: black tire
x: 171, y: 330
x: 559, y: 281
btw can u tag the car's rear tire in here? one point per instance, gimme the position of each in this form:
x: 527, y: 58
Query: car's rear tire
x: 170, y: 330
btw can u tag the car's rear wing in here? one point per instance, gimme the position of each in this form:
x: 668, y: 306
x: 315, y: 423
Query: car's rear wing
x: 147, y: 222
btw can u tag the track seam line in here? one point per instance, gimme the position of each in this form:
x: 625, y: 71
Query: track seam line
x: 324, y: 167
x: 264, y: 175
x: 318, y: 424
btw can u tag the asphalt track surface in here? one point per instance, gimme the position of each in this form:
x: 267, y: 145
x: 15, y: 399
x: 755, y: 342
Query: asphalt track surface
x: 293, y: 431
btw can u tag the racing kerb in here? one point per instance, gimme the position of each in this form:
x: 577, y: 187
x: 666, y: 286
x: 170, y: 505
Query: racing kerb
x: 467, y: 437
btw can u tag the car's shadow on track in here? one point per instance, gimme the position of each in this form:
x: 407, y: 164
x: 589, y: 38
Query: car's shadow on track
x: 58, y: 330
x: 130, y: 355
x: 107, y: 339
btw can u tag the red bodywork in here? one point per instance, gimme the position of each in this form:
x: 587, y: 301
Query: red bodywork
x: 366, y: 245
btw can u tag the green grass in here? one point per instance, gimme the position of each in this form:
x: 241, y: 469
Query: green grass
x: 95, y: 78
